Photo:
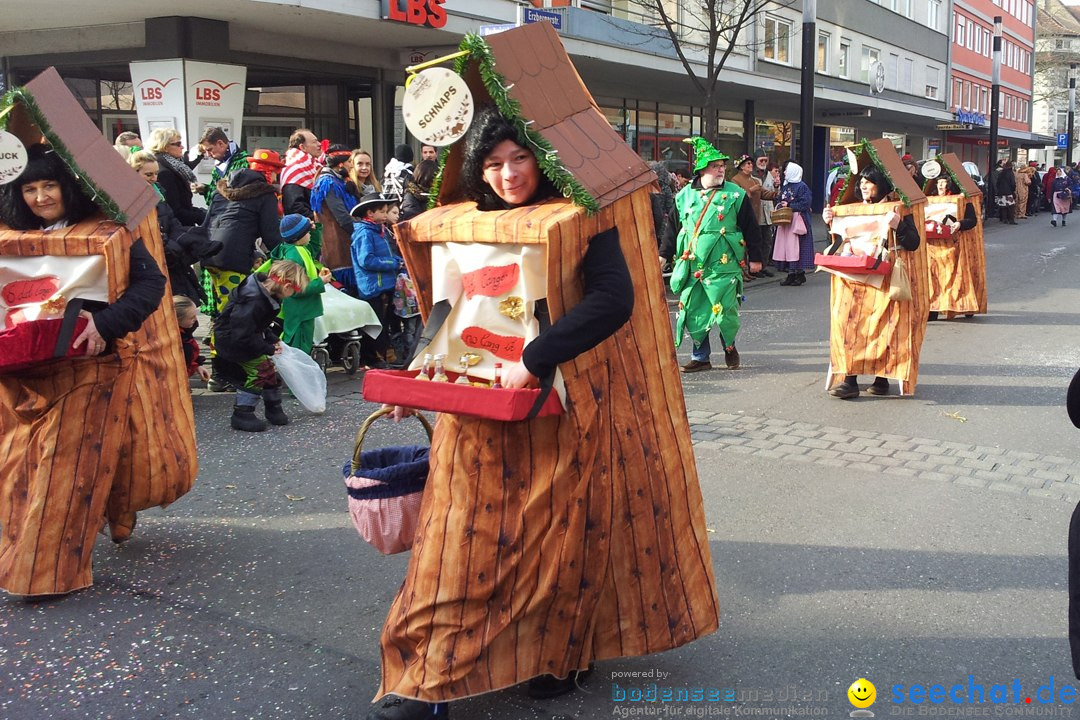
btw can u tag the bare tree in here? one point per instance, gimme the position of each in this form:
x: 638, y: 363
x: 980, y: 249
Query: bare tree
x: 120, y: 92
x: 704, y: 34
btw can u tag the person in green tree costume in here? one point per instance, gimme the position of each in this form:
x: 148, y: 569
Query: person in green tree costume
x: 719, y: 233
x: 299, y: 311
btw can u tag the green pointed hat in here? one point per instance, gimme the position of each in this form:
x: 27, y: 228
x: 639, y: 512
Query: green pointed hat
x: 704, y: 152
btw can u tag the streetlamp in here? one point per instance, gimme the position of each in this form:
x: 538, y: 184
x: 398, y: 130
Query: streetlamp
x: 806, y: 114
x: 1072, y: 107
x: 995, y: 92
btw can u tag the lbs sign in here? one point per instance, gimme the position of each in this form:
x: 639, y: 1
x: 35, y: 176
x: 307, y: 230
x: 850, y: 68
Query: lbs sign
x: 427, y: 13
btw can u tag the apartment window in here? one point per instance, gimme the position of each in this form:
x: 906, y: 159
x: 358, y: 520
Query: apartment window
x: 869, y: 55
x: 985, y: 101
x: 823, y: 51
x: 904, y: 7
x: 988, y: 44
x: 970, y: 33
x: 959, y: 35
x: 892, y: 71
x: 933, y: 12
x: 842, y: 61
x: 978, y: 40
x: 958, y: 93
x: 907, y: 69
x: 931, y: 82
x: 777, y: 39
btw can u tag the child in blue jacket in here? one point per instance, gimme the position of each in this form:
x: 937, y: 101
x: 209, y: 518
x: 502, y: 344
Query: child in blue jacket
x: 375, y: 264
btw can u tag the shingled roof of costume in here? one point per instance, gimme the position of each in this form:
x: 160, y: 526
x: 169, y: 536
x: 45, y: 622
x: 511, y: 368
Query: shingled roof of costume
x: 955, y: 168
x: 528, y: 75
x: 44, y: 110
x: 882, y: 153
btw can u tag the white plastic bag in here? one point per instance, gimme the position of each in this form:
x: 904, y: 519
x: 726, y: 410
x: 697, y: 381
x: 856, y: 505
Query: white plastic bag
x: 303, y: 376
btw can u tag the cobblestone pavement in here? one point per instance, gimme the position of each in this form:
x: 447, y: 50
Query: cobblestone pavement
x: 1003, y: 470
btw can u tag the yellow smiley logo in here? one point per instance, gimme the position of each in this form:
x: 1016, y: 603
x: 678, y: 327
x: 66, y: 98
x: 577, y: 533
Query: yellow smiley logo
x: 862, y: 693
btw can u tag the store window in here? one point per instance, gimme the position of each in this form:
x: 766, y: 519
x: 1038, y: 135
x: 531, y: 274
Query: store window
x: 672, y: 126
x: 647, y: 141
x: 777, y: 39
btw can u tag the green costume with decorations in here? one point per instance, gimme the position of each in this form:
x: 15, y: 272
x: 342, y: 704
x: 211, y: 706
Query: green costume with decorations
x: 299, y: 311
x: 709, y: 254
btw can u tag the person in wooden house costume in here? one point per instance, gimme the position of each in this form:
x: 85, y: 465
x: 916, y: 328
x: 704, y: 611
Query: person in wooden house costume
x: 719, y: 232
x: 874, y: 330
x: 95, y: 421
x: 548, y: 543
x: 954, y: 239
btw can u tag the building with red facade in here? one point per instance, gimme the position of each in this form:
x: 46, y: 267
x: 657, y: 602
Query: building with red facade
x: 971, y: 77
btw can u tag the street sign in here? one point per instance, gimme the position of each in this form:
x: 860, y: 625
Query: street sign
x: 954, y: 126
x: 492, y: 29
x: 532, y: 15
x: 862, y: 112
x: 1062, y: 141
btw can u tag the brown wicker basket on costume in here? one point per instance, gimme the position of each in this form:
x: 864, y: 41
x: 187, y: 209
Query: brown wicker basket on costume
x: 870, y: 332
x: 596, y: 546
x: 97, y: 438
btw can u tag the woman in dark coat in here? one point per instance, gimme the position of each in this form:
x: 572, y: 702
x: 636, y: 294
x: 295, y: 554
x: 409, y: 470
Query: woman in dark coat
x: 417, y: 189
x: 1005, y: 193
x: 175, y: 178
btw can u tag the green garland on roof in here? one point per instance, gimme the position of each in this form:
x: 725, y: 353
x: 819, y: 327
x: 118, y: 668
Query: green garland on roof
x: 99, y: 196
x: 952, y: 175
x: 546, y: 156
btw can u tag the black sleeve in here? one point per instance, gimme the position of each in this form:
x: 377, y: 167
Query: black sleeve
x: 751, y: 231
x: 1074, y: 590
x: 606, y: 306
x: 270, y: 222
x: 339, y: 211
x: 296, y: 199
x: 970, y: 218
x: 907, y: 235
x: 146, y: 286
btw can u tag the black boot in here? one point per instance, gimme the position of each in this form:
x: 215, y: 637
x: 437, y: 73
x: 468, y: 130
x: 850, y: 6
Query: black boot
x: 217, y: 382
x: 549, y: 686
x: 393, y: 707
x: 243, y: 418
x: 272, y: 401
x: 789, y: 280
x: 800, y: 278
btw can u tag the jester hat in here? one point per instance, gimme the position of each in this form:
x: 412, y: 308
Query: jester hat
x: 704, y: 152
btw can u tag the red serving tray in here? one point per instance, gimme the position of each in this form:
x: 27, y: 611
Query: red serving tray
x: 853, y: 264
x: 31, y: 343
x: 937, y: 231
x: 400, y: 387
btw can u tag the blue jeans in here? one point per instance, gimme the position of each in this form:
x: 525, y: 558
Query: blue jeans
x: 702, y: 352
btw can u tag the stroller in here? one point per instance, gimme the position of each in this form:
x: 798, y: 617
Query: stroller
x: 344, y: 323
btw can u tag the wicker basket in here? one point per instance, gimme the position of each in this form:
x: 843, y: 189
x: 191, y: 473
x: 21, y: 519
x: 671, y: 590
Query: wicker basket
x: 385, y: 489
x: 782, y: 216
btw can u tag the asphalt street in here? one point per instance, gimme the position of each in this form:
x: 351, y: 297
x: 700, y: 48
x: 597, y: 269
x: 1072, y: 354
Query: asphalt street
x: 908, y: 541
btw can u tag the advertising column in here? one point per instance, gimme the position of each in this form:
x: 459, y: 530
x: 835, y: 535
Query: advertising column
x: 189, y: 96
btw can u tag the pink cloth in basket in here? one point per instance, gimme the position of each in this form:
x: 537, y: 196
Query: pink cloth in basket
x: 389, y: 524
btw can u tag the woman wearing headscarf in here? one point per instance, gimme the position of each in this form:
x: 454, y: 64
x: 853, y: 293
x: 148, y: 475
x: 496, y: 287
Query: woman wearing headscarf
x: 794, y: 248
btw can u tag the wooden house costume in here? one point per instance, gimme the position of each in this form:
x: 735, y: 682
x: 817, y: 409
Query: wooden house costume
x: 957, y: 262
x: 87, y: 438
x: 871, y: 334
x: 549, y: 543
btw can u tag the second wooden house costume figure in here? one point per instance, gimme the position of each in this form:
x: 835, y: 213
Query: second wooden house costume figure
x: 955, y: 250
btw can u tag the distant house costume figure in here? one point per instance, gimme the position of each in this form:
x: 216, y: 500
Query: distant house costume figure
x: 550, y: 543
x: 870, y: 332
x: 88, y: 439
x: 955, y: 252
x: 719, y: 233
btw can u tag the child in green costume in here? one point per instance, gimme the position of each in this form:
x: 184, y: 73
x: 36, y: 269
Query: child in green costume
x: 300, y: 310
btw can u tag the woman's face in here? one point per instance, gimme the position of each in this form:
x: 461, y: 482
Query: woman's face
x: 45, y: 199
x: 943, y: 186
x: 149, y: 172
x: 175, y: 147
x: 362, y: 165
x: 512, y: 173
x: 746, y: 168
x: 868, y: 190
x: 775, y: 173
